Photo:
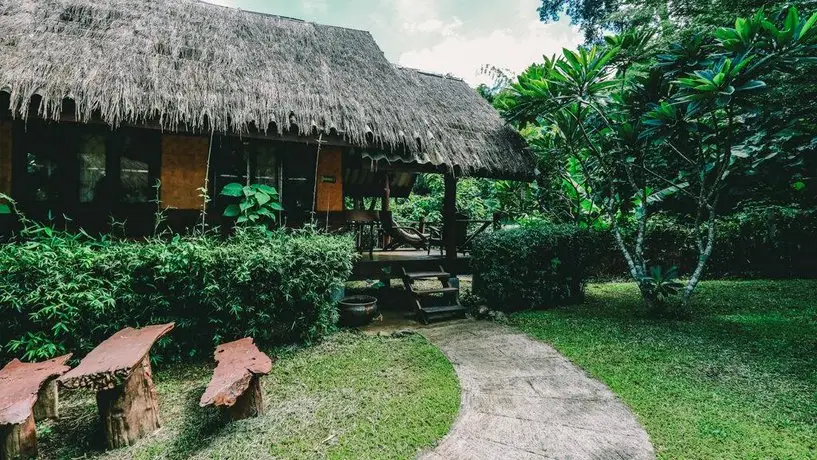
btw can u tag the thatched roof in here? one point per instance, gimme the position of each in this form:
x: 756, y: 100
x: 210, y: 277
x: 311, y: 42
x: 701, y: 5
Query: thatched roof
x: 195, y: 66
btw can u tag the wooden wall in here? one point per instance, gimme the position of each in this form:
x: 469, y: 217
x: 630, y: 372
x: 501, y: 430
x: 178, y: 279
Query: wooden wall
x: 330, y: 181
x: 5, y: 157
x: 184, y: 167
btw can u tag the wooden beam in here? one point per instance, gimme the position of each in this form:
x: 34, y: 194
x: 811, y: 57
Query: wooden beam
x: 450, y: 217
x: 386, y: 208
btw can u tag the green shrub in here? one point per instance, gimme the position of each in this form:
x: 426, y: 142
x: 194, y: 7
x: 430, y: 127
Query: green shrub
x: 535, y: 265
x: 66, y: 293
x: 757, y: 241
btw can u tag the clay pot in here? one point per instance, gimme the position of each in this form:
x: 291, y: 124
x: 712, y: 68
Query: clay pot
x: 357, y: 310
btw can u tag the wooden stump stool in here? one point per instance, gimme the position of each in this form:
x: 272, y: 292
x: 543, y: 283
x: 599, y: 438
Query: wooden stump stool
x: 28, y: 392
x: 235, y: 385
x: 119, y: 371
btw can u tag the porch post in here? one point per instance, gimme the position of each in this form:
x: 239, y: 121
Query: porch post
x: 387, y: 194
x: 450, y: 217
x: 386, y: 206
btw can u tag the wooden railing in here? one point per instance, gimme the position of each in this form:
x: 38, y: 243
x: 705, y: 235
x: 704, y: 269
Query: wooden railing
x: 369, y: 235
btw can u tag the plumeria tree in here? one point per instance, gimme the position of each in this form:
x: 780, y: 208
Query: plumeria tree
x: 639, y: 124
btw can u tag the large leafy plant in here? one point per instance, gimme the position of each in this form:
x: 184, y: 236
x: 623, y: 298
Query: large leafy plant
x: 663, y: 283
x: 257, y: 204
x: 643, y: 124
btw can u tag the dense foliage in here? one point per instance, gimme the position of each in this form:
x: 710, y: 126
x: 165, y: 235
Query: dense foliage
x: 533, y: 265
x: 639, y: 122
x: 757, y: 241
x: 477, y: 199
x: 786, y: 130
x: 67, y: 292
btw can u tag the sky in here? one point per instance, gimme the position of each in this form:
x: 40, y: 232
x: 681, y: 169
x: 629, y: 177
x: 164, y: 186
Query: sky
x: 458, y: 37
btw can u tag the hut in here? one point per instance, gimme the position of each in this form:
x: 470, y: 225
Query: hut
x: 102, y: 99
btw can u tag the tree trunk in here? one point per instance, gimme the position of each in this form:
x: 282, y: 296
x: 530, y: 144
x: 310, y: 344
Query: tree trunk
x: 130, y: 411
x: 18, y: 441
x: 47, y: 405
x: 703, y: 258
x: 250, y: 404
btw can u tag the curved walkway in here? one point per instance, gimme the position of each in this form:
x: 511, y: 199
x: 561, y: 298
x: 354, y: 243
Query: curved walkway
x: 523, y: 400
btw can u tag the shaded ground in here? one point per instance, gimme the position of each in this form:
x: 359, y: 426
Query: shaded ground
x: 736, y: 378
x: 350, y: 397
x: 523, y: 400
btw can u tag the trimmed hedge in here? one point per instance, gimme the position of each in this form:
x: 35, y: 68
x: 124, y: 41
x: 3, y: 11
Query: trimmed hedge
x: 515, y: 268
x: 758, y: 241
x: 534, y: 265
x: 66, y: 293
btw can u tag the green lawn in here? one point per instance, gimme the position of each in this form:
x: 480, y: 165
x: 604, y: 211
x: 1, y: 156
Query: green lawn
x: 350, y: 397
x: 737, y: 378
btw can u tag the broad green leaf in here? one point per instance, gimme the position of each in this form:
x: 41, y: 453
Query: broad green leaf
x: 792, y: 19
x: 246, y: 205
x: 5, y: 209
x: 233, y: 189
x: 770, y: 28
x: 572, y: 58
x: 267, y: 189
x: 232, y: 210
x: 742, y: 28
x: 276, y: 206
x: 262, y: 198
x: 800, y: 185
x: 741, y: 64
x: 751, y: 85
x: 808, y: 25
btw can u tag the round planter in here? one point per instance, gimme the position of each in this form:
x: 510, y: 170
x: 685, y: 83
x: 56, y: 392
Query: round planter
x: 357, y: 310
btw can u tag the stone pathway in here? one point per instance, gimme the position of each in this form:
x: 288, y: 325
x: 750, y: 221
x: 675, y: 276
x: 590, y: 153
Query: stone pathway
x: 523, y: 400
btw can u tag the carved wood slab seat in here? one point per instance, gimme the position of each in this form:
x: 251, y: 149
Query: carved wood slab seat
x: 235, y: 384
x: 28, y: 393
x: 119, y: 371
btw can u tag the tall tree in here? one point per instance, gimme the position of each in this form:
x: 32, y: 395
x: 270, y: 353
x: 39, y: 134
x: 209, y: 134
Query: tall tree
x: 787, y: 170
x: 645, y: 121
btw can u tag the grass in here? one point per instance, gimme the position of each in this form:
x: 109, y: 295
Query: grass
x: 351, y: 397
x: 735, y: 378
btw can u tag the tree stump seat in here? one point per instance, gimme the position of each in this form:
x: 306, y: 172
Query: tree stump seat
x: 235, y: 384
x: 28, y: 393
x: 119, y: 371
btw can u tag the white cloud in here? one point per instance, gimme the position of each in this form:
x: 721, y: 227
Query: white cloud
x: 315, y: 6
x: 502, y: 48
x: 429, y: 25
x: 413, y: 11
x: 422, y: 17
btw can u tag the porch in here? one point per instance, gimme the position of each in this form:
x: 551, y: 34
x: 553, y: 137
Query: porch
x: 381, y: 265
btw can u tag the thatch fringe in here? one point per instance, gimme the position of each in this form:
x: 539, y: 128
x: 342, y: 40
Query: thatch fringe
x: 185, y: 63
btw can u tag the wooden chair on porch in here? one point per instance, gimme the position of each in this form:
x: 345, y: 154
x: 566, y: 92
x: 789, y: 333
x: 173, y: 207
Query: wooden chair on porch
x: 397, y: 236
